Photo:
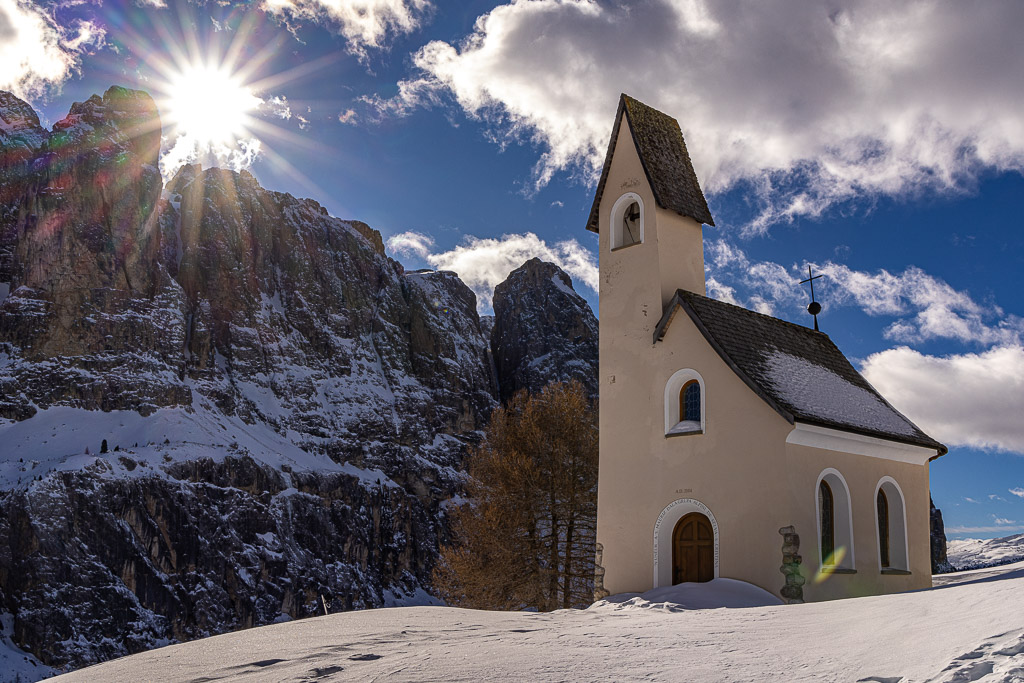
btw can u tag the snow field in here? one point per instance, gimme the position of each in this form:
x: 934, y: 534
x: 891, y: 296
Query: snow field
x: 971, y: 628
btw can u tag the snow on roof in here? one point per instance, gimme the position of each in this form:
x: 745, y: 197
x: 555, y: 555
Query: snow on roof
x: 818, y: 392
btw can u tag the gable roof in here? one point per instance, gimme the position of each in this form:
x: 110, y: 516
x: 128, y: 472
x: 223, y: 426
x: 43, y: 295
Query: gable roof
x: 799, y: 372
x: 662, y: 150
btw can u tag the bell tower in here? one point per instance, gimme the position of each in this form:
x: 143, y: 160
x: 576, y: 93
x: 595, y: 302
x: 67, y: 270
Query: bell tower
x: 648, y: 212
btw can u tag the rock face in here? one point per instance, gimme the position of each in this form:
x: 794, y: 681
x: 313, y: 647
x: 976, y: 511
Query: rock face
x: 543, y: 330
x: 287, y: 407
x: 940, y: 564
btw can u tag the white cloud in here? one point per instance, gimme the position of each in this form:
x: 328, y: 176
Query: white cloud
x: 483, y: 263
x: 35, y: 52
x: 1019, y: 492
x: 996, y: 496
x: 363, y: 23
x: 188, y: 150
x: 969, y: 400
x: 971, y: 500
x: 717, y: 290
x: 277, y: 106
x: 411, y: 244
x: 939, y: 310
x: 925, y: 306
x: 810, y: 104
x: 1003, y: 521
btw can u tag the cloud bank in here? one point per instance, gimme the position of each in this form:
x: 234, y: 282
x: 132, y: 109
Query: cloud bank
x: 808, y: 104
x: 968, y: 400
x: 36, y: 53
x: 483, y: 263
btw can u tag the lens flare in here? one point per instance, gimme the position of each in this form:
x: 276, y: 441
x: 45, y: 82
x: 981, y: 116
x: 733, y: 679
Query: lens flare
x: 830, y: 564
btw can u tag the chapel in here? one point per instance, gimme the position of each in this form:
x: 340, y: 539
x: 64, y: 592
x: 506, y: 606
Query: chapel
x: 733, y: 444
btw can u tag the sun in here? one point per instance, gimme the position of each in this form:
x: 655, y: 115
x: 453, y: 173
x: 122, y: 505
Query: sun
x: 209, y: 105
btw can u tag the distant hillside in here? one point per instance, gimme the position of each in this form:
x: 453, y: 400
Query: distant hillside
x: 972, y: 553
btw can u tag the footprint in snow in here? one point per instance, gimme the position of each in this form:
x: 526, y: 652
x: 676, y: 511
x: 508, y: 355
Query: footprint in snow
x: 999, y: 659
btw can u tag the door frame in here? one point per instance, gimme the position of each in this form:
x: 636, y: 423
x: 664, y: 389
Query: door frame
x: 663, y: 529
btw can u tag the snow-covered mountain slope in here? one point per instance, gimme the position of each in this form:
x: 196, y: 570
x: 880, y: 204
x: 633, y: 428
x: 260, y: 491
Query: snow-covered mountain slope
x: 290, y: 408
x: 968, y: 631
x: 973, y: 553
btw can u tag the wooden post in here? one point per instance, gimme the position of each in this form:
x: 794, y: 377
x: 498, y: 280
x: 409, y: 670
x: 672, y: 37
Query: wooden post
x: 324, y: 604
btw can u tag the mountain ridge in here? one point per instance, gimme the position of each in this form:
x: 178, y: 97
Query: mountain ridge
x: 285, y: 408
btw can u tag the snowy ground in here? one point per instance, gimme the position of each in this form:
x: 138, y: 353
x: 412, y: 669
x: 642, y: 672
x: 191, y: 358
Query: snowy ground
x: 969, y: 628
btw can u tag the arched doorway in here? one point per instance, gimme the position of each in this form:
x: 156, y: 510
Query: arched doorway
x: 693, y: 549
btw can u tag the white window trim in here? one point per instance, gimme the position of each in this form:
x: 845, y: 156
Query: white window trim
x: 663, y: 529
x: 615, y: 220
x: 673, y: 425
x: 893, y: 563
x: 849, y: 561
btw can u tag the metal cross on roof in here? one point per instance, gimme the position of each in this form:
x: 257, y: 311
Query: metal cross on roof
x: 814, y: 308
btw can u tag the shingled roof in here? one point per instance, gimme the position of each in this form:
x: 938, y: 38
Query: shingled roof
x: 799, y: 372
x: 659, y: 142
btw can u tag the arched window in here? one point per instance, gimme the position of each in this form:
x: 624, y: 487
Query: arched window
x: 835, y: 522
x: 684, y: 403
x: 689, y: 402
x: 627, y: 221
x: 883, y: 529
x: 827, y: 510
x: 891, y: 523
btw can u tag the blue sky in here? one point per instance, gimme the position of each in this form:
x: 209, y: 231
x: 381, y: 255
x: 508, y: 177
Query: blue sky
x: 882, y: 142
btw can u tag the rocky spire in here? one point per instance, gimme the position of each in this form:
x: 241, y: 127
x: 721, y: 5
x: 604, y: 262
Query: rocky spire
x: 543, y: 331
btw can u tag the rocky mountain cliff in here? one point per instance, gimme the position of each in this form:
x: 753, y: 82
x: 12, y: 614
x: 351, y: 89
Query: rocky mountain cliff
x: 543, y: 330
x: 219, y: 405
x: 940, y: 563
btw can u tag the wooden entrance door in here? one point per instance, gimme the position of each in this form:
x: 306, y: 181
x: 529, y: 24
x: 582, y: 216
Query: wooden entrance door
x: 693, y: 549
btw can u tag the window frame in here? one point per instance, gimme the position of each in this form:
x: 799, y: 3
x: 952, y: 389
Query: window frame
x: 674, y: 425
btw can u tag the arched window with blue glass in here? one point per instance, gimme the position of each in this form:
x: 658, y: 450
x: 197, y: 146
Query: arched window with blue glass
x: 689, y: 402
